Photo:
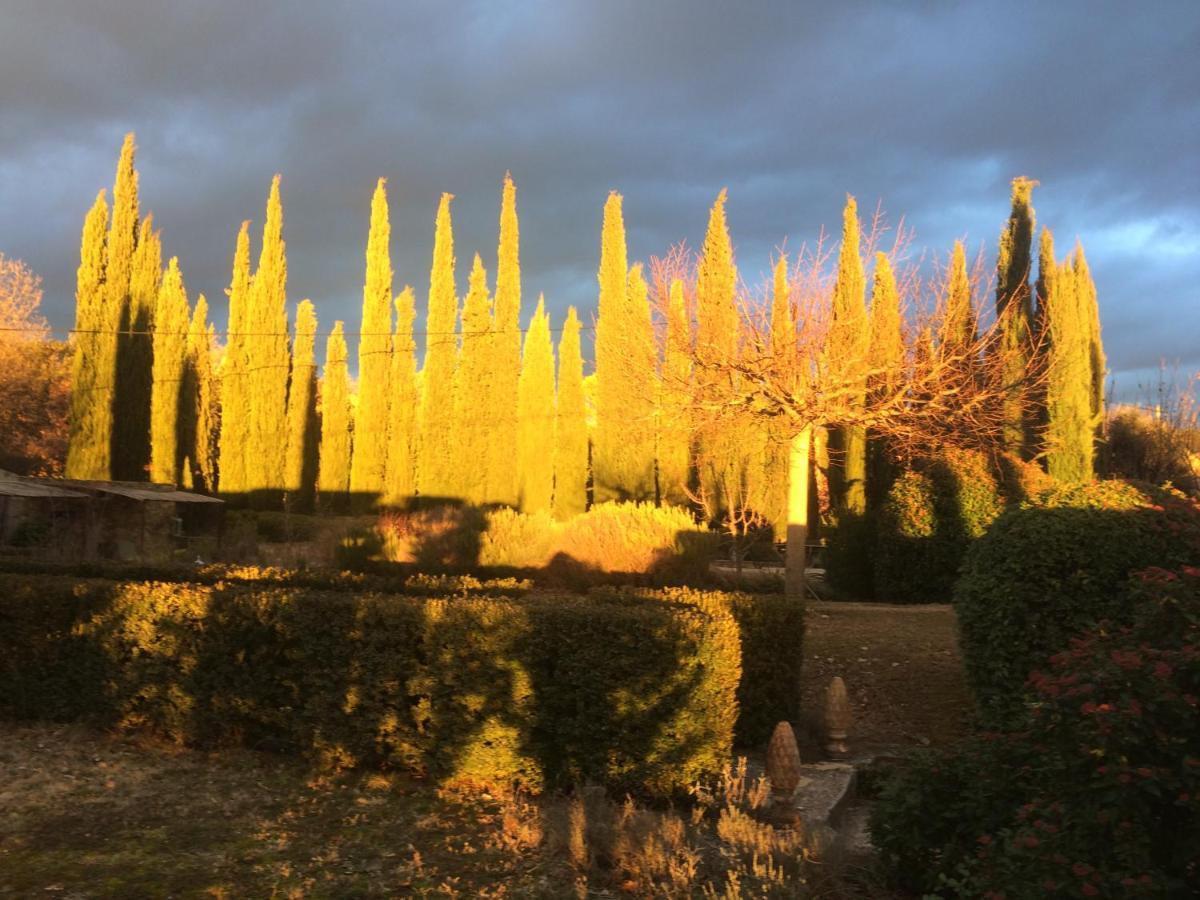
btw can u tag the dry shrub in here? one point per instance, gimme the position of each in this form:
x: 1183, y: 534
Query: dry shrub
x: 519, y: 540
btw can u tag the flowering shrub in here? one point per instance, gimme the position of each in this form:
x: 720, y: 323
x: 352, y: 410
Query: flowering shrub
x: 1043, y: 573
x: 1098, y: 795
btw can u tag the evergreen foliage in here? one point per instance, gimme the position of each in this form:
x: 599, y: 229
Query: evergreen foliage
x: 777, y: 457
x: 849, y: 345
x: 333, y: 478
x: 200, y: 402
x: 267, y: 358
x: 1070, y: 426
x: 90, y: 419
x: 171, y: 320
x: 536, y: 416
x: 1091, y: 316
x: 959, y: 327
x: 301, y: 474
x: 135, y: 353
x: 501, y: 466
x: 435, y: 470
x: 235, y: 377
x: 369, y: 465
x: 1015, y: 311
x: 404, y: 408
x: 674, y: 432
x: 885, y: 364
x: 570, y: 434
x: 473, y: 390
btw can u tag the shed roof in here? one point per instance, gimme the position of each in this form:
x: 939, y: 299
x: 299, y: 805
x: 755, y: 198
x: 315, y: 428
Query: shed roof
x: 14, y: 486
x: 151, y: 494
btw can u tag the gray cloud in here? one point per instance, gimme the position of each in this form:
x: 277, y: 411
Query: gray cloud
x: 929, y: 108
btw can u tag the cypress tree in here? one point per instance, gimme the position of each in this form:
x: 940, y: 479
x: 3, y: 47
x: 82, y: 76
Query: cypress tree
x: 131, y: 448
x: 301, y: 473
x: 535, y: 416
x: 641, y: 389
x: 722, y: 470
x: 502, y: 482
x: 1043, y: 340
x: 571, y: 436
x: 267, y: 357
x: 674, y: 434
x: 435, y: 470
x: 1097, y: 363
x: 885, y: 364
x: 404, y: 407
x: 849, y: 346
x: 200, y: 403
x: 959, y: 327
x: 1015, y: 312
x: 171, y: 320
x: 333, y: 480
x: 369, y: 467
x: 90, y: 420
x: 609, y: 479
x: 777, y: 459
x: 1069, y: 429
x: 235, y: 380
x: 473, y: 390
x: 122, y: 243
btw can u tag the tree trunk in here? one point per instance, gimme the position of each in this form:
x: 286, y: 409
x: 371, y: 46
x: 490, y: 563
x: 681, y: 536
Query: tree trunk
x: 797, y: 519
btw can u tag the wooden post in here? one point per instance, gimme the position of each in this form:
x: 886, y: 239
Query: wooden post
x: 797, y: 526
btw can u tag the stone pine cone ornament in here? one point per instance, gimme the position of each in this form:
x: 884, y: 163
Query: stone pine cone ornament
x: 783, y: 762
x: 837, y: 718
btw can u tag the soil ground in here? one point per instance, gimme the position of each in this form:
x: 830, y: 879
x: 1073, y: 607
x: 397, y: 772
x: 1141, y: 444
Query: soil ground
x: 87, y: 815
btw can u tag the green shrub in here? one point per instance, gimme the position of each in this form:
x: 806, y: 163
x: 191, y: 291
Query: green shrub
x: 931, y: 516
x: 1097, y: 795
x: 771, y: 631
x: 1046, y: 572
x: 849, y: 556
x: 546, y: 691
x: 1021, y: 481
x: 519, y: 540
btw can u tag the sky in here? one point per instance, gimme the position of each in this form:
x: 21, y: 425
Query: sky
x: 927, y: 108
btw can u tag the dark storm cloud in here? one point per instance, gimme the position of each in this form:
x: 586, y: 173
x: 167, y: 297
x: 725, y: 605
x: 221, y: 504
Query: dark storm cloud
x: 929, y: 108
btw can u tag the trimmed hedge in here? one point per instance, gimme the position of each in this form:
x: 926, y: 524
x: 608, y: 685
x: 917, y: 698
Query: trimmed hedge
x: 771, y: 628
x: 1097, y: 795
x: 1043, y: 573
x: 637, y: 695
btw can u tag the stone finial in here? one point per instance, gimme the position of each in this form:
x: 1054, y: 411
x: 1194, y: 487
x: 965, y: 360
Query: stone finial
x: 837, y: 719
x: 783, y: 762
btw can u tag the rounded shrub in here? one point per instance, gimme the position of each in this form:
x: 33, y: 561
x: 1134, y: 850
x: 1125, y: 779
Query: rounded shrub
x: 1045, y: 572
x: 1098, y: 793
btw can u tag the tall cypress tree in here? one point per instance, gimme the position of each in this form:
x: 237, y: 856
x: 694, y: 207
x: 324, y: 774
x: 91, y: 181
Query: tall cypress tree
x: 1015, y: 311
x: 90, y: 420
x: 959, y: 326
x: 778, y: 446
x: 501, y: 466
x: 301, y: 474
x: 473, y: 390
x: 333, y: 479
x: 267, y: 357
x: 885, y: 370
x: 674, y: 434
x: 1091, y: 314
x: 535, y: 416
x: 849, y: 345
x: 404, y: 409
x: 171, y: 320
x: 609, y: 476
x: 235, y: 379
x: 641, y: 388
x: 199, y: 403
x: 1069, y: 437
x: 571, y: 436
x: 721, y: 454
x: 369, y: 467
x: 135, y: 343
x: 122, y: 244
x: 435, y: 469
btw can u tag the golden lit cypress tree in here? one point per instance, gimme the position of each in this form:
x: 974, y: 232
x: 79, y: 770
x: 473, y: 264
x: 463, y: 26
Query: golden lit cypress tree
x: 777, y: 452
x: 885, y: 370
x: 131, y: 447
x: 571, y: 435
x: 404, y: 408
x: 301, y: 472
x: 369, y: 466
x: 849, y: 346
x: 1091, y: 315
x: 90, y: 419
x: 959, y: 327
x: 535, y: 416
x: 200, y: 401
x: 1070, y: 435
x: 501, y: 466
x: 171, y: 320
x: 333, y: 479
x: 721, y: 453
x: 609, y: 478
x: 235, y: 379
x: 267, y: 356
x: 674, y: 434
x: 1015, y: 311
x: 435, y: 470
x: 473, y: 390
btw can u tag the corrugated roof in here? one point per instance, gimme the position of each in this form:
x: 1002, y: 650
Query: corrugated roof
x: 151, y: 494
x: 14, y: 485
x: 20, y: 488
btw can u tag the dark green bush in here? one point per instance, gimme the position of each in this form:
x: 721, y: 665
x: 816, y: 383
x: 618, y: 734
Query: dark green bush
x: 930, y: 518
x: 637, y: 695
x: 1097, y: 795
x: 850, y: 558
x: 1046, y: 572
x: 771, y: 630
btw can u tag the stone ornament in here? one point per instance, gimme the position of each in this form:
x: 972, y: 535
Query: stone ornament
x: 783, y: 762
x: 837, y: 719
